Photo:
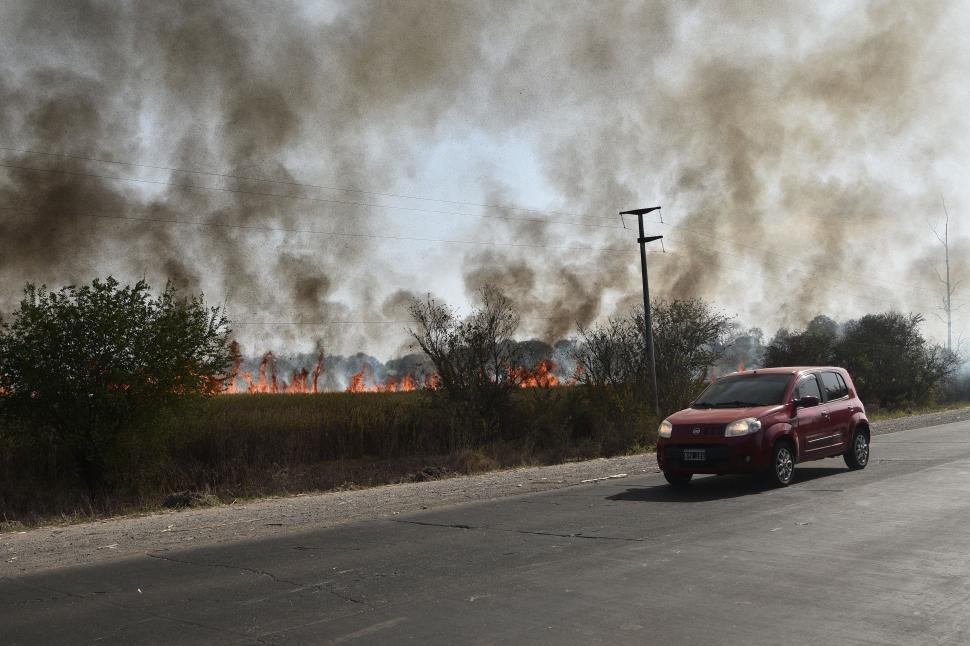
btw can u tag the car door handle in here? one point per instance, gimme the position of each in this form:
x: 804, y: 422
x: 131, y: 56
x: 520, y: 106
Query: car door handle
x: 825, y: 413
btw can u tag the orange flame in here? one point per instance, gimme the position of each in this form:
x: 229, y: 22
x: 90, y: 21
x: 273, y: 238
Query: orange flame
x: 230, y: 380
x: 305, y: 380
x: 539, y: 377
x: 357, y: 384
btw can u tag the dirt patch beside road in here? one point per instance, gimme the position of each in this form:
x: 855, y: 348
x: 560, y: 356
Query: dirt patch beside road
x: 59, y: 546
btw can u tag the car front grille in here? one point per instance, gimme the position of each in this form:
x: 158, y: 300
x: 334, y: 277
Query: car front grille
x: 686, y: 431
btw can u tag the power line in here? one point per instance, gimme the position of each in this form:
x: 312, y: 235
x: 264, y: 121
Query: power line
x: 321, y: 323
x: 308, y: 198
x: 690, y: 231
x: 419, y: 239
x: 344, y: 322
x: 815, y: 274
x: 734, y: 241
x: 175, y: 169
x: 339, y: 233
x: 414, y: 239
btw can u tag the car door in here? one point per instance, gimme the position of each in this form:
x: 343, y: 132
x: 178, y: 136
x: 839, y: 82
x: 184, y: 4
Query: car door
x: 837, y: 404
x: 812, y: 422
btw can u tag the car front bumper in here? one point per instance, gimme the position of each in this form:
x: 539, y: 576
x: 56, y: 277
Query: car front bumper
x: 725, y: 455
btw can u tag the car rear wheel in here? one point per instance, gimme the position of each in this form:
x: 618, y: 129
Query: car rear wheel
x: 857, y: 457
x: 678, y: 479
x: 782, y: 464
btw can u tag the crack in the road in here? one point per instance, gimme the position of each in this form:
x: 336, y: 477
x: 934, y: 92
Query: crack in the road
x: 296, y: 585
x: 519, y: 531
x: 418, y: 522
x: 226, y: 566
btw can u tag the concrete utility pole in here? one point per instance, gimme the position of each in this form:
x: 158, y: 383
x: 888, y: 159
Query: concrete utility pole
x: 643, y: 240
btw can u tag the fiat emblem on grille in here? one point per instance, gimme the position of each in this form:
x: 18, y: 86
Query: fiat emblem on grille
x: 697, y: 430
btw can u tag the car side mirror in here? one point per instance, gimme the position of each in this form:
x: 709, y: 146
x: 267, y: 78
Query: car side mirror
x: 806, y: 402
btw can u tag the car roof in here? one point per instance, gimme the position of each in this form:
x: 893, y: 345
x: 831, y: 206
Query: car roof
x: 784, y: 370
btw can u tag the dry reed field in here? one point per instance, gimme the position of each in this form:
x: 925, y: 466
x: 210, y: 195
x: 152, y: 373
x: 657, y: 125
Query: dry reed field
x: 235, y: 447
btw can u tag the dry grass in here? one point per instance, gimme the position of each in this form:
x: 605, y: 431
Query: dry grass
x: 248, y: 446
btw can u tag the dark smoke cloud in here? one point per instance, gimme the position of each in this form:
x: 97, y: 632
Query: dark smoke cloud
x: 757, y: 125
x: 765, y: 129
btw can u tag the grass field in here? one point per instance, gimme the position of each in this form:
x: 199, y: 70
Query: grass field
x: 243, y: 446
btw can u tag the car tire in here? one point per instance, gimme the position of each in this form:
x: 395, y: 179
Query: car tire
x: 857, y: 457
x: 678, y: 479
x: 782, y: 464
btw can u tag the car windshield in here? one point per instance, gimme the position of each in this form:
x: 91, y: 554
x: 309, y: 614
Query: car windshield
x: 743, y: 391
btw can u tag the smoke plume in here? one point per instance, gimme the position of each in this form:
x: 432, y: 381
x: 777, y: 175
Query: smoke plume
x: 787, y: 142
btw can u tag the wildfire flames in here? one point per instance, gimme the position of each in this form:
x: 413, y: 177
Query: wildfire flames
x: 306, y: 380
x: 539, y: 377
x: 393, y: 384
x: 267, y: 380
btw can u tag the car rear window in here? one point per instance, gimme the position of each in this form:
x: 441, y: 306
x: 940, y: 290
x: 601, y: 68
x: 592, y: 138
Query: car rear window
x: 845, y: 389
x: 744, y: 390
x: 834, y: 386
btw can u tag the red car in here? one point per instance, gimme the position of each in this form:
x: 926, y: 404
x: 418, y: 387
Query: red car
x: 766, y: 421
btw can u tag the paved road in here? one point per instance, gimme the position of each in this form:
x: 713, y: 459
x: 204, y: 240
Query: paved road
x: 880, y: 556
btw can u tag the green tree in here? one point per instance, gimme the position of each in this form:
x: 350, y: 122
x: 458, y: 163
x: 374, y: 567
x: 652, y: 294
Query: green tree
x: 814, y: 346
x: 891, y: 363
x: 688, y: 337
x: 82, y: 367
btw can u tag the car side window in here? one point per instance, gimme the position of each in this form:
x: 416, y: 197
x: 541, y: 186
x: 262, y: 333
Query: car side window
x: 845, y: 389
x: 833, y: 389
x: 808, y: 385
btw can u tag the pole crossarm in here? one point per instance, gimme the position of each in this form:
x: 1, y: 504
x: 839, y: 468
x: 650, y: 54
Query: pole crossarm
x: 643, y: 211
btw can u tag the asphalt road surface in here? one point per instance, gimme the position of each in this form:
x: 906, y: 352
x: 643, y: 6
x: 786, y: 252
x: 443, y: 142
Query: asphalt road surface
x: 880, y: 556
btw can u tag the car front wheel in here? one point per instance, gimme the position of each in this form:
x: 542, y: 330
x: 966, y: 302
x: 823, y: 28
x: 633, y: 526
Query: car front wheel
x: 782, y: 465
x: 857, y: 457
x: 678, y: 479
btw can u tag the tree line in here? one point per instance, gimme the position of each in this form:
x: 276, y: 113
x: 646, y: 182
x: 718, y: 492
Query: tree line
x: 86, y: 371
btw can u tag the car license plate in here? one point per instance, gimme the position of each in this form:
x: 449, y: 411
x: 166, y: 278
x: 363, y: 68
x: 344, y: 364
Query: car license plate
x: 695, y: 455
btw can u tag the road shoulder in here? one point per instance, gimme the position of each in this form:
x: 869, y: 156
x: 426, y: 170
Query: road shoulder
x: 113, y: 539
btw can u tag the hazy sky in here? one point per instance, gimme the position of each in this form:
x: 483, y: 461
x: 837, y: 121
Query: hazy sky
x: 799, y: 150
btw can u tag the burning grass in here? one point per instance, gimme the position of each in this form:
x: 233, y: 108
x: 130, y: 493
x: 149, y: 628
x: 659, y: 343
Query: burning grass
x: 245, y: 446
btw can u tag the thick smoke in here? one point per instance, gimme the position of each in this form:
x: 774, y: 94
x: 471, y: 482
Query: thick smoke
x: 784, y: 141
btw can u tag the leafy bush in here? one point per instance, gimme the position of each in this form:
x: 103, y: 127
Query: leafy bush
x: 688, y: 340
x: 892, y: 365
x: 83, y: 368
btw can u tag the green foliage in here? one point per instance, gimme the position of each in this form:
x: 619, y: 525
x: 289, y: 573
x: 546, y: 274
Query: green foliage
x: 815, y: 346
x: 83, y: 368
x: 891, y: 363
x: 688, y: 335
x: 688, y: 340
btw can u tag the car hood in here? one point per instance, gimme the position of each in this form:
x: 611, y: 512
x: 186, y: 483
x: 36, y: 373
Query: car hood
x: 720, y: 415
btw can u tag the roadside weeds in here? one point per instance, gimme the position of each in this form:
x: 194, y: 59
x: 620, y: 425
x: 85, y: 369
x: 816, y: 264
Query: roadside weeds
x: 29, y: 550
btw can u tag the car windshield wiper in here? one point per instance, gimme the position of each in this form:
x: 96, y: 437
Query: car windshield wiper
x: 735, y: 404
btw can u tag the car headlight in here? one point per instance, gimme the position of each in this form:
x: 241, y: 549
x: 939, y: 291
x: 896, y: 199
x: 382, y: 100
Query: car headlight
x: 745, y: 426
x: 666, y: 428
